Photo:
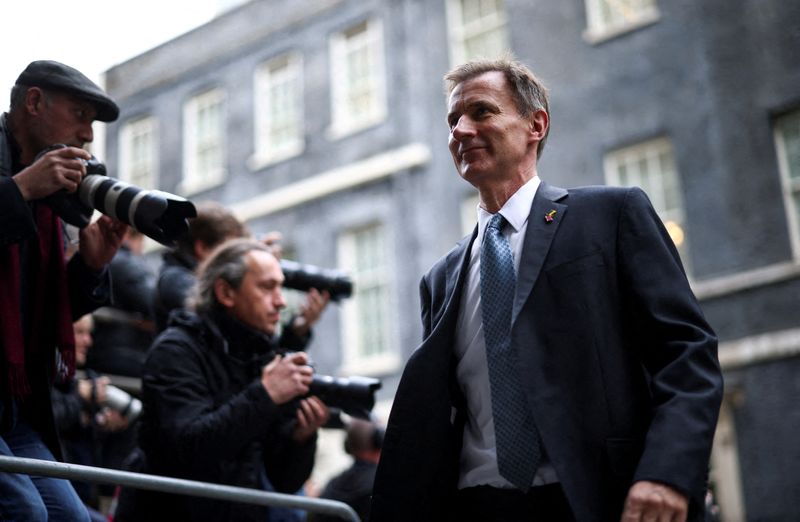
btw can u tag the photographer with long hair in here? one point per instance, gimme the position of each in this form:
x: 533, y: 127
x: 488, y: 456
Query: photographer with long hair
x: 213, y: 411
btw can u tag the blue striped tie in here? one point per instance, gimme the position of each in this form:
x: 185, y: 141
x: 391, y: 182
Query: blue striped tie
x: 517, y: 439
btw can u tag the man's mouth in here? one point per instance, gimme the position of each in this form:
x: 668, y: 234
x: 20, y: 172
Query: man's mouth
x: 469, y: 150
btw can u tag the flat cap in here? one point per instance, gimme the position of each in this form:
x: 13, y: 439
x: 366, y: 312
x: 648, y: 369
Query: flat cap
x: 48, y: 74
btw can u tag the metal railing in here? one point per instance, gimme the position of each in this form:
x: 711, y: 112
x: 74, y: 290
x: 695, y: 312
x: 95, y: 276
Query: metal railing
x: 172, y: 485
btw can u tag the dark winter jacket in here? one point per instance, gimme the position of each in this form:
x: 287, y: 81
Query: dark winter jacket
x: 208, y: 417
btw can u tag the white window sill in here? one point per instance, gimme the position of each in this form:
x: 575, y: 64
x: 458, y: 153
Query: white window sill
x: 342, y: 129
x: 595, y: 36
x: 188, y: 188
x: 260, y: 161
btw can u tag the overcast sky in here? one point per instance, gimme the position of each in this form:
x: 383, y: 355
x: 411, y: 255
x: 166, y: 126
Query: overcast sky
x: 90, y: 35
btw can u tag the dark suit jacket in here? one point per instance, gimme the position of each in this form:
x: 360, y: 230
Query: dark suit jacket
x: 617, y: 361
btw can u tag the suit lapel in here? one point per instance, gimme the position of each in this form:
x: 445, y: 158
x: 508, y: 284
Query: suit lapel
x: 538, y: 238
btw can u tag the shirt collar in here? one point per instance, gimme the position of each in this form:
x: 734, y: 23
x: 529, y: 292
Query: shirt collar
x: 516, y: 209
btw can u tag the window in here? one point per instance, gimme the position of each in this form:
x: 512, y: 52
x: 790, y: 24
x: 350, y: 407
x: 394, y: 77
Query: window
x: 279, y: 110
x: 651, y: 166
x: 366, y: 314
x: 203, y: 134
x: 787, y: 140
x: 608, y: 18
x: 359, y: 90
x: 138, y: 156
x: 477, y: 29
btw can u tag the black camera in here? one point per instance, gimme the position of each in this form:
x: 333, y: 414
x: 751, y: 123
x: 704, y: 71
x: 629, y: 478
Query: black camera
x: 353, y: 395
x: 305, y: 277
x: 159, y: 215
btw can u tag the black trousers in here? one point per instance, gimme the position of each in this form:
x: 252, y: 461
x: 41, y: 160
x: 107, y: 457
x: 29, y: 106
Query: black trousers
x: 487, y: 504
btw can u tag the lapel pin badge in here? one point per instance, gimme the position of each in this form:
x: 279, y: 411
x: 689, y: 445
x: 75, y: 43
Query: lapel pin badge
x: 549, y: 216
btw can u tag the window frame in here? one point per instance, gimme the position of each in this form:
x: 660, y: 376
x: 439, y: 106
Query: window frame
x: 191, y: 182
x: 354, y: 360
x: 598, y: 30
x: 343, y: 123
x: 790, y: 187
x: 265, y: 153
x: 126, y: 150
x: 459, y: 34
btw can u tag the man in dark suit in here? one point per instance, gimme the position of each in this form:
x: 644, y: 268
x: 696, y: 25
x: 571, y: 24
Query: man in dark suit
x: 567, y: 371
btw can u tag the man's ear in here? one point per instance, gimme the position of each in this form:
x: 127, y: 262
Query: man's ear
x: 34, y: 98
x: 224, y: 293
x: 539, y: 122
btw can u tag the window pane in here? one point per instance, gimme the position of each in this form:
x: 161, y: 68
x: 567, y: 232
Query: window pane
x: 479, y: 29
x: 366, y: 320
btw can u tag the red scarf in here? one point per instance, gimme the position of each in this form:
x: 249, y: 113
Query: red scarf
x: 50, y: 320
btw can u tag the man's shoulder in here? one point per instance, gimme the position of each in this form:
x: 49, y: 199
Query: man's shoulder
x: 600, y: 192
x: 457, y: 249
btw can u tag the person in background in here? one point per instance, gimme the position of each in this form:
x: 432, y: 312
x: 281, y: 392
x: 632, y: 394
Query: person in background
x: 40, y: 294
x: 354, y: 485
x: 123, y: 332
x: 214, y: 225
x: 81, y: 416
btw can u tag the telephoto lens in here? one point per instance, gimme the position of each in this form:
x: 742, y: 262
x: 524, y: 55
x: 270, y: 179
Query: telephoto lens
x: 353, y: 395
x: 123, y: 402
x: 158, y: 215
x: 305, y: 277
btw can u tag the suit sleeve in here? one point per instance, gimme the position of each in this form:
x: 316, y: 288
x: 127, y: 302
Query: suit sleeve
x: 678, y: 351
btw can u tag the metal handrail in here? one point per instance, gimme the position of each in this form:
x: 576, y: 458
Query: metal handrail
x: 173, y: 485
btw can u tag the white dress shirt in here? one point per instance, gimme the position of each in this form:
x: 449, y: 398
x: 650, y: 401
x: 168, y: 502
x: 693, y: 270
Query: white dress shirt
x: 478, y: 464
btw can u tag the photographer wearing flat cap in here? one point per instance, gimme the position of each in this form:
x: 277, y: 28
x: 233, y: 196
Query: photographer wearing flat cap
x: 40, y: 294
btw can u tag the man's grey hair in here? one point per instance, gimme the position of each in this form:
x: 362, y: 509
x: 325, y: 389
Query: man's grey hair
x: 226, y: 262
x: 528, y: 91
x: 18, y: 93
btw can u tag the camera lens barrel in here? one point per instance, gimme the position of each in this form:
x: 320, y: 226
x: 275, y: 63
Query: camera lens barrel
x: 305, y: 277
x: 159, y: 215
x: 354, y: 395
x: 123, y: 402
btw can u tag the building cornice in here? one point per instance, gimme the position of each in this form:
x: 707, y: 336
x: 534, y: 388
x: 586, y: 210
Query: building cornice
x: 741, y: 281
x: 759, y: 348
x: 332, y: 181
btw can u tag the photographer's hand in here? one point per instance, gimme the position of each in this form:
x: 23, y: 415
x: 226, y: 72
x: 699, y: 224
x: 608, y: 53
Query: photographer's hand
x: 311, y: 415
x: 287, y: 377
x: 99, y: 241
x: 316, y: 302
x: 59, y: 169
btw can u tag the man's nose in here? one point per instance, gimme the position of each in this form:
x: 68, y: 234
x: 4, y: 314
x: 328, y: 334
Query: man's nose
x: 463, y: 127
x: 85, y: 133
x: 280, y: 302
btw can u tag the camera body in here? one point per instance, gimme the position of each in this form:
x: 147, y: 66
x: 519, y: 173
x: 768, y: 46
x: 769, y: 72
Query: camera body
x: 159, y: 215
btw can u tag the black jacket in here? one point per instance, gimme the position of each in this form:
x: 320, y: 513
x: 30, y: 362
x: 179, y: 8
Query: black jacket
x: 207, y: 417
x: 88, y: 290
